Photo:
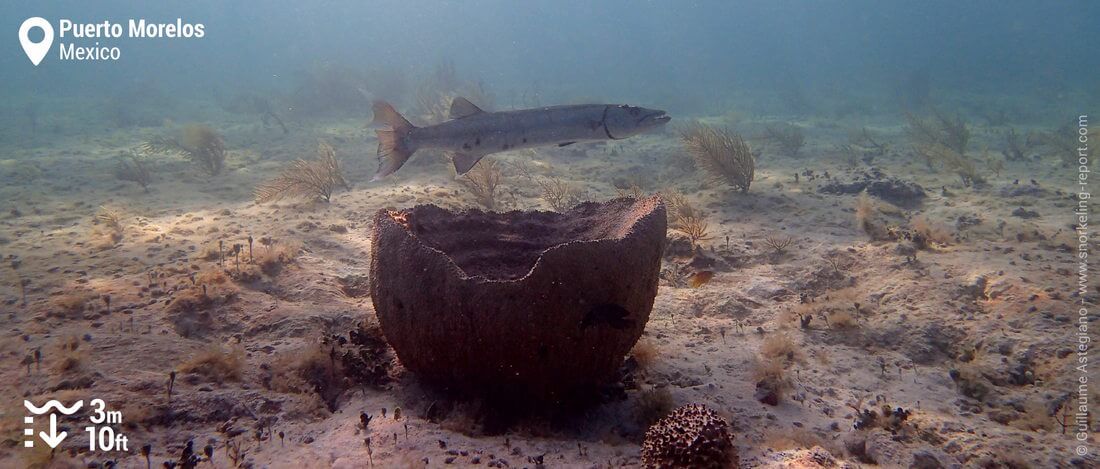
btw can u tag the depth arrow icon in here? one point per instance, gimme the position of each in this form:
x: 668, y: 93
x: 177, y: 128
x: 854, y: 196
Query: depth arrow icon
x: 53, y: 438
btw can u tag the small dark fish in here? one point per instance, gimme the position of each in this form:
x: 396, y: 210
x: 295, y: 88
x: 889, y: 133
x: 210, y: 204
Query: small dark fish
x: 610, y: 314
x: 700, y: 278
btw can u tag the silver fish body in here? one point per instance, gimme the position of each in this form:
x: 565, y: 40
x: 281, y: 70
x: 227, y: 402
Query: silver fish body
x: 473, y: 133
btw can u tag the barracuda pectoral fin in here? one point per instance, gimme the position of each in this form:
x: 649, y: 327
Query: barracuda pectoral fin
x: 465, y: 161
x: 462, y: 107
x: 565, y: 144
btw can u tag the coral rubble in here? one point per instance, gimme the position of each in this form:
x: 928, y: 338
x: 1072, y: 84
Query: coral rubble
x: 691, y: 436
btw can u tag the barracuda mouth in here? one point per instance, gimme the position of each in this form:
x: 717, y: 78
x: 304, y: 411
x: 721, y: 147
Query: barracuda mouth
x: 656, y: 118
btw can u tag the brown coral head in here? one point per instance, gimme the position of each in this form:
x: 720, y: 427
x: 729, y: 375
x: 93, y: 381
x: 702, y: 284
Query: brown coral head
x: 519, y: 304
x: 691, y: 436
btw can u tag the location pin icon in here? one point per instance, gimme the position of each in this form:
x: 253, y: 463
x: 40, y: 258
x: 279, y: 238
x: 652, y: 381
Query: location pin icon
x: 36, y: 51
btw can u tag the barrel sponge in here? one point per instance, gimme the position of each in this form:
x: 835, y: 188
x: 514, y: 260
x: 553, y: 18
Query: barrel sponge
x: 532, y: 305
x: 691, y: 436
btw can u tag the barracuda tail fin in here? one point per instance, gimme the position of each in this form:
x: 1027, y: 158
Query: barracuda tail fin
x: 393, y: 144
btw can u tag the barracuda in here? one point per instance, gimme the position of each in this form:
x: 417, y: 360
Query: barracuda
x: 472, y: 133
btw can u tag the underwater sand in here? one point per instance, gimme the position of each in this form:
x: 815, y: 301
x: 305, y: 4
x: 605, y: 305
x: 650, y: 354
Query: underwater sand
x: 916, y: 320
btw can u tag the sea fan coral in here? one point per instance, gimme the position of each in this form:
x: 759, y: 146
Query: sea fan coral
x: 558, y: 194
x: 942, y: 141
x: 677, y: 203
x: 685, y: 218
x: 1019, y: 147
x: 133, y: 168
x: 317, y: 178
x: 939, y: 129
x: 936, y: 154
x: 1063, y: 143
x: 482, y: 182
x: 109, y: 228
x: 694, y: 227
x: 787, y: 137
x: 723, y: 155
x: 199, y: 143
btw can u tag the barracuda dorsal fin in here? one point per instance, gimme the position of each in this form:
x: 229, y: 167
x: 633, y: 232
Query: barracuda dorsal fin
x: 462, y: 107
x: 465, y: 161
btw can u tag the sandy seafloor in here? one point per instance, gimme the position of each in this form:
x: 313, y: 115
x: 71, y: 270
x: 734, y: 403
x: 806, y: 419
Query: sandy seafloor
x: 916, y: 322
